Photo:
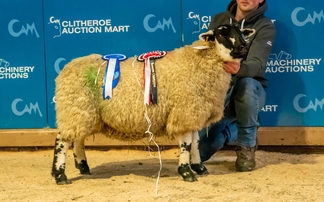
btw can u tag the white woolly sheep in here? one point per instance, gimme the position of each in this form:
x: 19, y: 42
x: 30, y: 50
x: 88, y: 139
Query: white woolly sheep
x: 192, y: 86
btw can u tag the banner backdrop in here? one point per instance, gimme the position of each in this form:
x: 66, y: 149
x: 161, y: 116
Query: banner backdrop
x: 36, y: 31
x: 106, y: 27
x: 295, y: 69
x: 196, y: 16
x: 22, y: 66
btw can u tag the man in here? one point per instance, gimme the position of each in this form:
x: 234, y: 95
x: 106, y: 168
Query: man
x: 247, y: 94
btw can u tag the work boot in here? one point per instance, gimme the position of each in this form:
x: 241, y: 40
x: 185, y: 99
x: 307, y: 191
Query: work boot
x: 245, y: 158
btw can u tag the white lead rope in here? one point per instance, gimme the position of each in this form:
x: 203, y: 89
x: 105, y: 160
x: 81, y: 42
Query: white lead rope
x: 151, y: 136
x: 151, y: 139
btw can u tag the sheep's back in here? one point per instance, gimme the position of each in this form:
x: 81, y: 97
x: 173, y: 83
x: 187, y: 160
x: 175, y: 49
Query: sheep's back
x: 125, y: 111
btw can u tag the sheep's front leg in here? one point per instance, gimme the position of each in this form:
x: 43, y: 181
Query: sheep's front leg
x: 185, y: 147
x: 196, y: 164
x: 58, y: 169
x: 80, y: 157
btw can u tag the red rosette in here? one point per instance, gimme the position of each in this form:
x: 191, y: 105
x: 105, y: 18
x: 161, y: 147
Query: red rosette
x: 152, y: 54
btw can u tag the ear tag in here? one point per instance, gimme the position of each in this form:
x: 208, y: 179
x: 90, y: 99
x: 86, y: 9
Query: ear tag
x: 243, y: 36
x: 206, y: 41
x: 203, y: 47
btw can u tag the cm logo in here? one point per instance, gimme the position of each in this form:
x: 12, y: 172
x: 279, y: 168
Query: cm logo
x: 27, y: 108
x: 311, y: 104
x: 57, y: 65
x: 159, y: 25
x: 310, y: 18
x: 23, y: 30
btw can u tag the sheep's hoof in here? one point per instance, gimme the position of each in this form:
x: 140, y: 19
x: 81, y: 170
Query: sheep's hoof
x: 186, y: 173
x: 86, y: 173
x: 61, y: 179
x: 83, y: 167
x: 64, y: 182
x: 199, y: 168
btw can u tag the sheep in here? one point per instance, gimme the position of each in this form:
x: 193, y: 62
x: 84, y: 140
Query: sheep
x: 192, y: 86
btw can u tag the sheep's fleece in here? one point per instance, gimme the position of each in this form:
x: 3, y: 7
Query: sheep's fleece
x: 192, y: 86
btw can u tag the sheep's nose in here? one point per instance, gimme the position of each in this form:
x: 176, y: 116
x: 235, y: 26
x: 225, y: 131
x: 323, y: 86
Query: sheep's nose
x: 242, y: 49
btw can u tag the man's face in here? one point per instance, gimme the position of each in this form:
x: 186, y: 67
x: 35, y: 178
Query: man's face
x: 248, y: 5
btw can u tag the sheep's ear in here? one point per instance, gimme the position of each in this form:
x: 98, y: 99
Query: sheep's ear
x: 247, y: 32
x: 209, y: 34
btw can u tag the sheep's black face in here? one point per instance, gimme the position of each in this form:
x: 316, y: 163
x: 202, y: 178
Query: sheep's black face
x: 230, y: 41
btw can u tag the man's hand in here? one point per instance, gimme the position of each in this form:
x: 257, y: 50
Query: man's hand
x: 232, y: 67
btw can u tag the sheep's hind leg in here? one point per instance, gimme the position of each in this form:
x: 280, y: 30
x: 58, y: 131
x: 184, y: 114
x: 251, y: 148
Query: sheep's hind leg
x: 184, y: 168
x: 195, y: 161
x: 80, y: 157
x: 58, y: 169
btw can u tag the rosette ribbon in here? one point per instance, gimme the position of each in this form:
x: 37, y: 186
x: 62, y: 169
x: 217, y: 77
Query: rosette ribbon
x: 149, y: 75
x: 112, y: 73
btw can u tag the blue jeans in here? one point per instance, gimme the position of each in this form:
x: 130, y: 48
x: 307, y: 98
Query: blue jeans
x: 240, y: 122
